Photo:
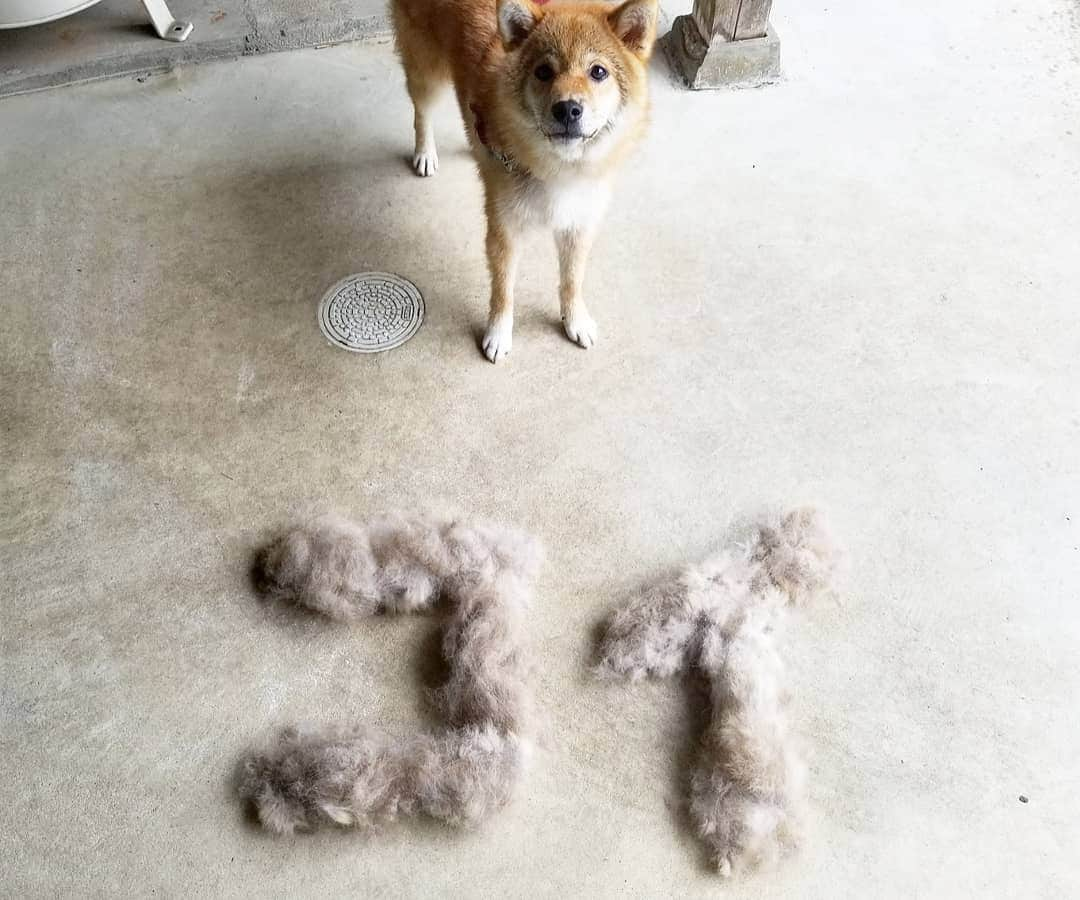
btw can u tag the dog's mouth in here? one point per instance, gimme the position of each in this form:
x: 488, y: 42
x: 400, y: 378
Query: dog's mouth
x: 568, y: 137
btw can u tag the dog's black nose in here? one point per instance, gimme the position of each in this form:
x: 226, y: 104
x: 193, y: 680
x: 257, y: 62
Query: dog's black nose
x: 567, y: 112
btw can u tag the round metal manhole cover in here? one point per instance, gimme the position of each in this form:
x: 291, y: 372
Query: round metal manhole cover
x: 371, y: 312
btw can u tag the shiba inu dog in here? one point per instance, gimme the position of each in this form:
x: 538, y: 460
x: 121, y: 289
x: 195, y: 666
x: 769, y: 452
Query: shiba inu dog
x: 554, y: 96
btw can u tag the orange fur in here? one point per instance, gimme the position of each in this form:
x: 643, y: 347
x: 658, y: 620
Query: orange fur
x: 554, y: 96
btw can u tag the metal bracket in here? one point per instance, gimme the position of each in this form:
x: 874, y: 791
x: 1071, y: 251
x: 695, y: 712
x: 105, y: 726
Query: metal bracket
x: 167, y: 28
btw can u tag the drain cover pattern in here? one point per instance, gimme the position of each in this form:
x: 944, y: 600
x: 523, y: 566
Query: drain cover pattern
x: 371, y: 312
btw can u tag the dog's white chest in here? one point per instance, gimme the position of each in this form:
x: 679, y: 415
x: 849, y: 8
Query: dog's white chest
x: 565, y: 204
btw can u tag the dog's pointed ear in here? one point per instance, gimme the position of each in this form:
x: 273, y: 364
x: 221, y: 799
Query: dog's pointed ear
x: 516, y: 19
x: 634, y: 23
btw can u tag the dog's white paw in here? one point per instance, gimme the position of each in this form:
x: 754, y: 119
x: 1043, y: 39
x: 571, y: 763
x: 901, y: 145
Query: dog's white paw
x: 499, y: 338
x: 426, y: 162
x: 580, y: 327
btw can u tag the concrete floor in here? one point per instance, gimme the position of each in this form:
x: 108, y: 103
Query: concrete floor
x: 857, y: 287
x: 115, y: 37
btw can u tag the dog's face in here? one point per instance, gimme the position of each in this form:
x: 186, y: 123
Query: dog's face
x: 576, y: 68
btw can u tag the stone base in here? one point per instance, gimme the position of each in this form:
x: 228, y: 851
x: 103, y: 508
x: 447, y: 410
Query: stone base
x: 746, y: 63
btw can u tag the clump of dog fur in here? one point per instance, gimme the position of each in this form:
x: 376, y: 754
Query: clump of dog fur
x: 722, y: 617
x: 358, y: 777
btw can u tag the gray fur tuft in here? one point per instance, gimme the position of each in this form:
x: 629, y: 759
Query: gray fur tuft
x: 359, y: 777
x: 723, y: 617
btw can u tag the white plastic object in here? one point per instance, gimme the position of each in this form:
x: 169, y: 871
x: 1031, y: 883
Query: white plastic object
x: 21, y: 13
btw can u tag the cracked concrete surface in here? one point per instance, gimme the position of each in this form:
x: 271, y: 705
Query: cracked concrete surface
x: 115, y: 37
x: 857, y: 287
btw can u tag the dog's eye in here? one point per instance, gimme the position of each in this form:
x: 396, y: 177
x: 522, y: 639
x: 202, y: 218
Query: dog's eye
x: 544, y: 72
x: 598, y: 73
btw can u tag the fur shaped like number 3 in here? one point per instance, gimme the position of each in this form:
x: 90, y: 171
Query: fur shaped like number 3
x: 396, y: 564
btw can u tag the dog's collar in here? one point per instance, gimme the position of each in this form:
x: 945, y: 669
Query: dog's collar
x: 480, y: 128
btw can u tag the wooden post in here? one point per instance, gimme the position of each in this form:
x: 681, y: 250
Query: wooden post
x: 725, y: 43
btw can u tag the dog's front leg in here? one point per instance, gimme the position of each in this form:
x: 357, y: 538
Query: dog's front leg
x: 573, y: 246
x: 503, y: 241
